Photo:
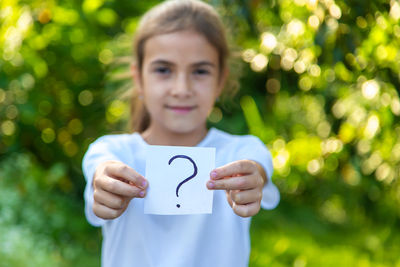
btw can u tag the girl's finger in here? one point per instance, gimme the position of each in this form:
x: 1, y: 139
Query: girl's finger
x: 124, y: 172
x: 234, y: 168
x: 242, y: 197
x: 108, y: 199
x: 244, y: 182
x: 228, y: 197
x: 246, y: 210
x: 118, y: 187
x: 105, y: 212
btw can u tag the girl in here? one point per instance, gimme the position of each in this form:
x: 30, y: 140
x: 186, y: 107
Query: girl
x: 180, y: 70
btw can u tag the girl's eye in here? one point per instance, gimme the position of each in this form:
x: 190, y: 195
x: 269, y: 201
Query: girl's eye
x: 162, y: 70
x: 201, y: 72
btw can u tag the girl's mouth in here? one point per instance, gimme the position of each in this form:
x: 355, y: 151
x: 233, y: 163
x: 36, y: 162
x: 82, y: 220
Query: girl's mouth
x: 181, y: 109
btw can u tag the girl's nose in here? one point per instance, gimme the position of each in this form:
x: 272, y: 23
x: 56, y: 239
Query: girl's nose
x: 181, y: 86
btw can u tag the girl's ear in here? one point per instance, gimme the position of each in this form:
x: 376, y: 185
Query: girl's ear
x: 222, y: 81
x: 136, y: 78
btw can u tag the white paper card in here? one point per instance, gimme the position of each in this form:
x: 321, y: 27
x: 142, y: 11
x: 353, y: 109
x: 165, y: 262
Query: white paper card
x: 177, y: 180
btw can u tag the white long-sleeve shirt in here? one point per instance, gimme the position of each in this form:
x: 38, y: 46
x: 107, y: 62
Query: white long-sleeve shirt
x: 203, y: 240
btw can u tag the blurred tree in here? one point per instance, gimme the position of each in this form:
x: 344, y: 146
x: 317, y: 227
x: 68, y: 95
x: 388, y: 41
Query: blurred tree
x: 330, y: 106
x: 319, y: 86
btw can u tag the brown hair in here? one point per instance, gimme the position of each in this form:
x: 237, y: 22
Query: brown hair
x: 171, y: 16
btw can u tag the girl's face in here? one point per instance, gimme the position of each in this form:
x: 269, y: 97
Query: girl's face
x: 179, y: 82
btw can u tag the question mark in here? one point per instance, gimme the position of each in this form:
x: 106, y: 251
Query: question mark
x: 187, y: 179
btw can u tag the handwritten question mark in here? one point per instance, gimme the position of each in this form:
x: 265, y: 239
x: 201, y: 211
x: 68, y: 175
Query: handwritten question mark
x: 187, y: 179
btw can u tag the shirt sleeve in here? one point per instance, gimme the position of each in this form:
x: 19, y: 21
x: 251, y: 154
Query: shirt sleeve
x: 254, y: 149
x: 98, y: 152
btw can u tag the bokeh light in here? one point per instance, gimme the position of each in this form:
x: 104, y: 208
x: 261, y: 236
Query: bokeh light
x: 372, y: 127
x: 295, y: 27
x: 215, y: 115
x: 313, y: 21
x: 268, y: 41
x: 8, y: 127
x: 85, y: 97
x: 106, y: 56
x: 370, y: 89
x: 334, y: 11
x: 259, y: 62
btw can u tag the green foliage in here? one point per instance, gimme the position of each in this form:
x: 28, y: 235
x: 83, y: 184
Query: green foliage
x: 40, y: 225
x: 329, y: 103
x: 319, y: 86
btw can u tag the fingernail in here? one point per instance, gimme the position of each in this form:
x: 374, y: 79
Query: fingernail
x: 144, y: 184
x: 141, y: 194
x: 210, y: 184
x: 213, y: 174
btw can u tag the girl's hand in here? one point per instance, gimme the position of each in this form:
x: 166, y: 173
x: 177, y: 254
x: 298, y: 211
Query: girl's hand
x: 243, y: 181
x: 115, y: 184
